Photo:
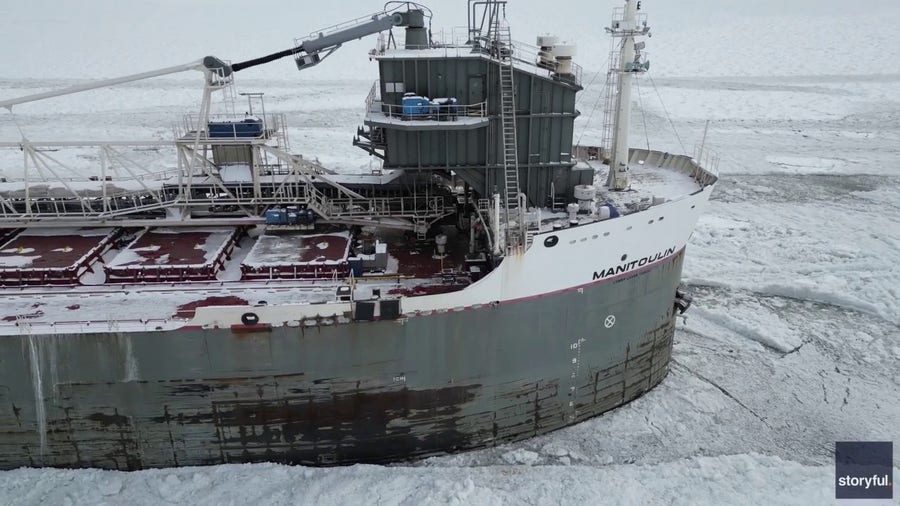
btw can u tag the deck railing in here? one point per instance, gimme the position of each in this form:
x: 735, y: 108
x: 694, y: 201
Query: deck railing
x: 455, y: 43
x: 435, y: 112
x: 432, y: 111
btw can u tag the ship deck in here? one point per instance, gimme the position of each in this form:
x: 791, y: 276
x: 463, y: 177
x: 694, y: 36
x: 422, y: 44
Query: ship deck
x: 310, y: 267
x: 293, y: 255
x: 137, y: 296
x: 147, y: 307
x: 280, y: 249
x: 173, y: 254
x: 647, y: 180
x: 51, y: 256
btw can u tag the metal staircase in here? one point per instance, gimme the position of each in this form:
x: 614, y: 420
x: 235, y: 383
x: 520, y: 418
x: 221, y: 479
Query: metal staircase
x: 503, y: 48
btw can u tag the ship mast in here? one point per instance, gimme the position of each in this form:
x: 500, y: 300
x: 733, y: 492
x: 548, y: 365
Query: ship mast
x: 627, y: 24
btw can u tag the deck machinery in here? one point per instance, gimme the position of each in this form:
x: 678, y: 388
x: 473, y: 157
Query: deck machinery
x: 500, y: 137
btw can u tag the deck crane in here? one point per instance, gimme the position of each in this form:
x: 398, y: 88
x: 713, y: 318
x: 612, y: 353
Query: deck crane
x: 306, y: 52
x: 319, y: 45
x: 218, y: 74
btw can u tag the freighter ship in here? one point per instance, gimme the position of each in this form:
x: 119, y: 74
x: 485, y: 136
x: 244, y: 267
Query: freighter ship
x: 489, y: 283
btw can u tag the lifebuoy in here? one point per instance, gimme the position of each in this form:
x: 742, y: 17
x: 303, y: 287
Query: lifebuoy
x: 249, y: 319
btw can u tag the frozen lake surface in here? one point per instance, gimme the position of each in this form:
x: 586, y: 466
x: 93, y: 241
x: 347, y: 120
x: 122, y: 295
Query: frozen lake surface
x: 793, y: 341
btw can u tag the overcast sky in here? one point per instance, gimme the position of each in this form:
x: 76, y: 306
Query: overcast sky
x: 103, y: 38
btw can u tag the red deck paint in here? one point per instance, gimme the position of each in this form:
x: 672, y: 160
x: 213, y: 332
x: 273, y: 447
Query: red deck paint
x: 426, y: 290
x: 292, y: 256
x: 173, y: 255
x: 48, y: 258
x: 189, y: 309
x: 12, y: 318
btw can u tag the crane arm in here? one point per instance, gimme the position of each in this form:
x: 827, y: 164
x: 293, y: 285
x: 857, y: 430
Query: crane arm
x: 93, y: 85
x: 307, y: 51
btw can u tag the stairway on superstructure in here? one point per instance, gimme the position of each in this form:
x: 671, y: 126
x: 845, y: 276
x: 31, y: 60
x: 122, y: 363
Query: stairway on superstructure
x: 514, y: 236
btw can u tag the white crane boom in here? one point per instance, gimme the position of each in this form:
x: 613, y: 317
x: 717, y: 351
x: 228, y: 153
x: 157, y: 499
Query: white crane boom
x: 93, y: 85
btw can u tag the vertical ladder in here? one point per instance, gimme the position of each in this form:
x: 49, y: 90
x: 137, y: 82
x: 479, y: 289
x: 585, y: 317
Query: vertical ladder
x: 503, y: 45
x: 611, y: 101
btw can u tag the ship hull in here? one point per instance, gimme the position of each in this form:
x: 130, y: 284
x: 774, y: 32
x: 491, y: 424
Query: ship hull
x: 376, y: 391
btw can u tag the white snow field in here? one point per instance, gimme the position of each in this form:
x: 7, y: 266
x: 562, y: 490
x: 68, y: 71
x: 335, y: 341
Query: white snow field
x: 793, y: 341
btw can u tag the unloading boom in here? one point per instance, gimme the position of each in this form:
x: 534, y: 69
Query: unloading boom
x: 308, y: 52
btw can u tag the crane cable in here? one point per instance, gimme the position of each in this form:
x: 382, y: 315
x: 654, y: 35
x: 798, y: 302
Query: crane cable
x: 15, y: 121
x: 591, y: 115
x: 603, y: 91
x: 643, y: 112
x: 592, y: 81
x: 668, y: 117
x: 599, y: 98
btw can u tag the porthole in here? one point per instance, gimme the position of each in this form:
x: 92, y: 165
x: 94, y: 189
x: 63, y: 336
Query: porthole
x: 629, y: 227
x: 605, y: 234
x: 661, y: 218
x: 624, y: 257
x: 583, y: 239
x: 551, y: 241
x: 594, y: 237
x: 650, y: 222
x: 693, y: 206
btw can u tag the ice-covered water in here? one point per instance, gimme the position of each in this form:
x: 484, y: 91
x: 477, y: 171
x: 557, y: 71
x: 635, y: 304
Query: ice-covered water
x: 794, y: 339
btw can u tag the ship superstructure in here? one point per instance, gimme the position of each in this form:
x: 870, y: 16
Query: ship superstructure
x: 488, y: 283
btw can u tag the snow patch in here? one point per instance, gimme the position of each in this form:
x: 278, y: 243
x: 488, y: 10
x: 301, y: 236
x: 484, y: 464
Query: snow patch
x: 752, y: 321
x: 522, y: 456
x: 748, y: 479
x: 807, y: 165
x: 18, y: 260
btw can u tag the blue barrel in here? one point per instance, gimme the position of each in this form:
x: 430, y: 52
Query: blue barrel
x: 415, y: 105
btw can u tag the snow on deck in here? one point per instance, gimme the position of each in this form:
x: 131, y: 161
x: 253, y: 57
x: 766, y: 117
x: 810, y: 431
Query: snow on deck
x: 648, y: 180
x: 189, y: 247
x: 291, y: 249
x: 146, y: 307
x: 52, y: 249
x: 166, y: 254
x: 131, y: 307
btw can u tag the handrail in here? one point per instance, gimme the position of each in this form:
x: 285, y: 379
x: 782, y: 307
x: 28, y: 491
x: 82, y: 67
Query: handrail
x: 449, y: 112
x: 522, y: 52
x: 373, y: 94
x: 338, y: 27
x: 272, y: 123
x: 438, y: 112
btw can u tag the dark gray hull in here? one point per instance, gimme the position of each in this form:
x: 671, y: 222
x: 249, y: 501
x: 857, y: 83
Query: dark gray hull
x: 360, y: 392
